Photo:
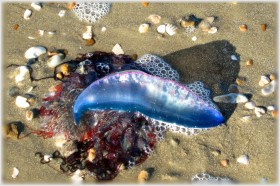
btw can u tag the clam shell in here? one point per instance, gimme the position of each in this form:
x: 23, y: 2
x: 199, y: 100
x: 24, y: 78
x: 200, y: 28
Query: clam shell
x: 161, y: 29
x: 243, y: 159
x: 250, y: 105
x: 269, y: 89
x: 231, y: 98
x: 23, y: 71
x: 170, y: 29
x: 143, y: 28
x: 35, y: 52
x: 264, y: 81
x: 15, y: 172
x: 155, y: 18
x: 55, y: 60
x: 259, y: 111
x: 36, y: 6
x: 21, y: 102
x: 212, y: 30
x: 117, y: 49
x: 27, y: 14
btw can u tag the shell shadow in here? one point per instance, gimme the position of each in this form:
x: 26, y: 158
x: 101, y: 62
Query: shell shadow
x: 210, y: 63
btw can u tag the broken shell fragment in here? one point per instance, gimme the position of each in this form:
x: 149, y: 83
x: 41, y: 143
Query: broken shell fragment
x: 61, y: 13
x: 143, y: 28
x: 263, y: 27
x: 271, y: 107
x: 243, y: 159
x: 259, y: 111
x: 269, y: 88
x: 55, y: 60
x: 170, y: 29
x: 143, y: 176
x: 186, y: 23
x: 231, y: 98
x: 22, y: 102
x: 243, y: 28
x: 250, y: 105
x: 36, y: 6
x: 117, y: 49
x: 27, y: 14
x: 154, y: 18
x: 272, y: 76
x: 31, y: 114
x: 212, y: 30
x: 15, y: 172
x: 34, y: 52
x: 264, y: 81
x: 224, y: 162
x: 23, y: 71
x: 88, y: 33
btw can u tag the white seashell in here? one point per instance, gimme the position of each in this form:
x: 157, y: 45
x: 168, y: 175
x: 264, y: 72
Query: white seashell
x: 161, y: 29
x: 243, y: 159
x: 31, y: 37
x: 21, y: 102
x: 250, y: 105
x: 155, y: 18
x: 61, y: 13
x: 194, y: 38
x: 36, y: 6
x: 269, y: 89
x: 88, y: 33
x: 264, y: 81
x: 103, y: 29
x: 245, y: 118
x: 55, y: 60
x: 233, y: 57
x: 170, y: 29
x: 117, y: 49
x: 259, y: 111
x: 212, y: 30
x: 271, y: 108
x: 144, y: 28
x: 30, y: 89
x: 15, y: 172
x: 23, y: 70
x: 52, y: 32
x: 35, y: 52
x: 231, y: 98
x: 48, y: 157
x: 27, y: 14
x: 76, y: 178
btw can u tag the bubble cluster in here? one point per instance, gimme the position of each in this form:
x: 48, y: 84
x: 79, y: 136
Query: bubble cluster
x: 91, y: 12
x: 204, y: 178
x: 157, y: 67
x: 197, y: 87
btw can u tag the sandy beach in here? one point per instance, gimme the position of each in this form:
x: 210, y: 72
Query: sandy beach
x: 208, y: 59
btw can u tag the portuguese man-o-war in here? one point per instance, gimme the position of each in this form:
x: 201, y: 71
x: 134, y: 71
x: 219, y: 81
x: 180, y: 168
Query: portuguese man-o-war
x: 158, y: 98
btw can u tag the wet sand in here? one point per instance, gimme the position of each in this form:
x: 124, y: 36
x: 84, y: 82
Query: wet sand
x: 204, y: 59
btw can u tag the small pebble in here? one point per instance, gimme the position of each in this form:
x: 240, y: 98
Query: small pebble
x: 272, y: 76
x: 134, y: 57
x: 224, y: 162
x: 186, y: 23
x: 51, y: 33
x: 31, y: 114
x: 117, y: 49
x: 70, y: 6
x: 27, y: 14
x: 243, y: 28
x: 90, y: 42
x: 243, y: 159
x: 103, y: 29
x: 249, y: 62
x: 16, y: 26
x: 259, y: 111
x: 263, y: 27
x: 61, y: 13
x: 15, y: 172
x: 14, y: 91
x: 145, y: 4
x: 216, y: 152
x: 274, y: 113
x: 194, y: 38
x: 143, y: 176
x: 59, y: 75
x: 239, y: 81
x: 250, y: 105
x: 21, y: 102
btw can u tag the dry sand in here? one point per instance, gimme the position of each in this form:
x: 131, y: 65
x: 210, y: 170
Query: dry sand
x: 207, y: 59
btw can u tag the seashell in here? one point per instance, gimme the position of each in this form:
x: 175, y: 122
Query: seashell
x: 243, y: 159
x: 274, y: 113
x: 90, y: 42
x: 59, y: 75
x: 22, y: 102
x: 245, y: 118
x: 48, y: 157
x: 154, y: 18
x: 144, y: 28
x: 55, y: 60
x: 61, y: 13
x: 210, y: 19
x: 145, y: 4
x: 70, y: 6
x: 243, y: 28
x: 269, y: 88
x: 259, y: 111
x: 91, y: 155
x: 88, y: 33
x: 117, y: 49
x: 216, y: 152
x: 143, y: 176
x: 15, y: 172
x: 65, y: 69
x: 263, y: 27
x: 36, y: 6
x: 186, y: 23
x: 224, y: 162
x: 194, y: 38
x: 249, y: 62
x: 76, y: 178
x: 233, y: 57
x: 27, y: 14
x: 264, y: 81
x: 161, y: 29
x: 271, y: 107
x: 250, y: 105
x: 204, y: 25
x: 231, y: 98
x: 272, y: 76
x: 31, y: 114
x: 23, y: 71
x: 41, y: 32
x: 212, y: 30
x: 170, y: 29
x: 31, y: 37
x: 35, y: 52
x: 103, y: 29
x: 52, y: 33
